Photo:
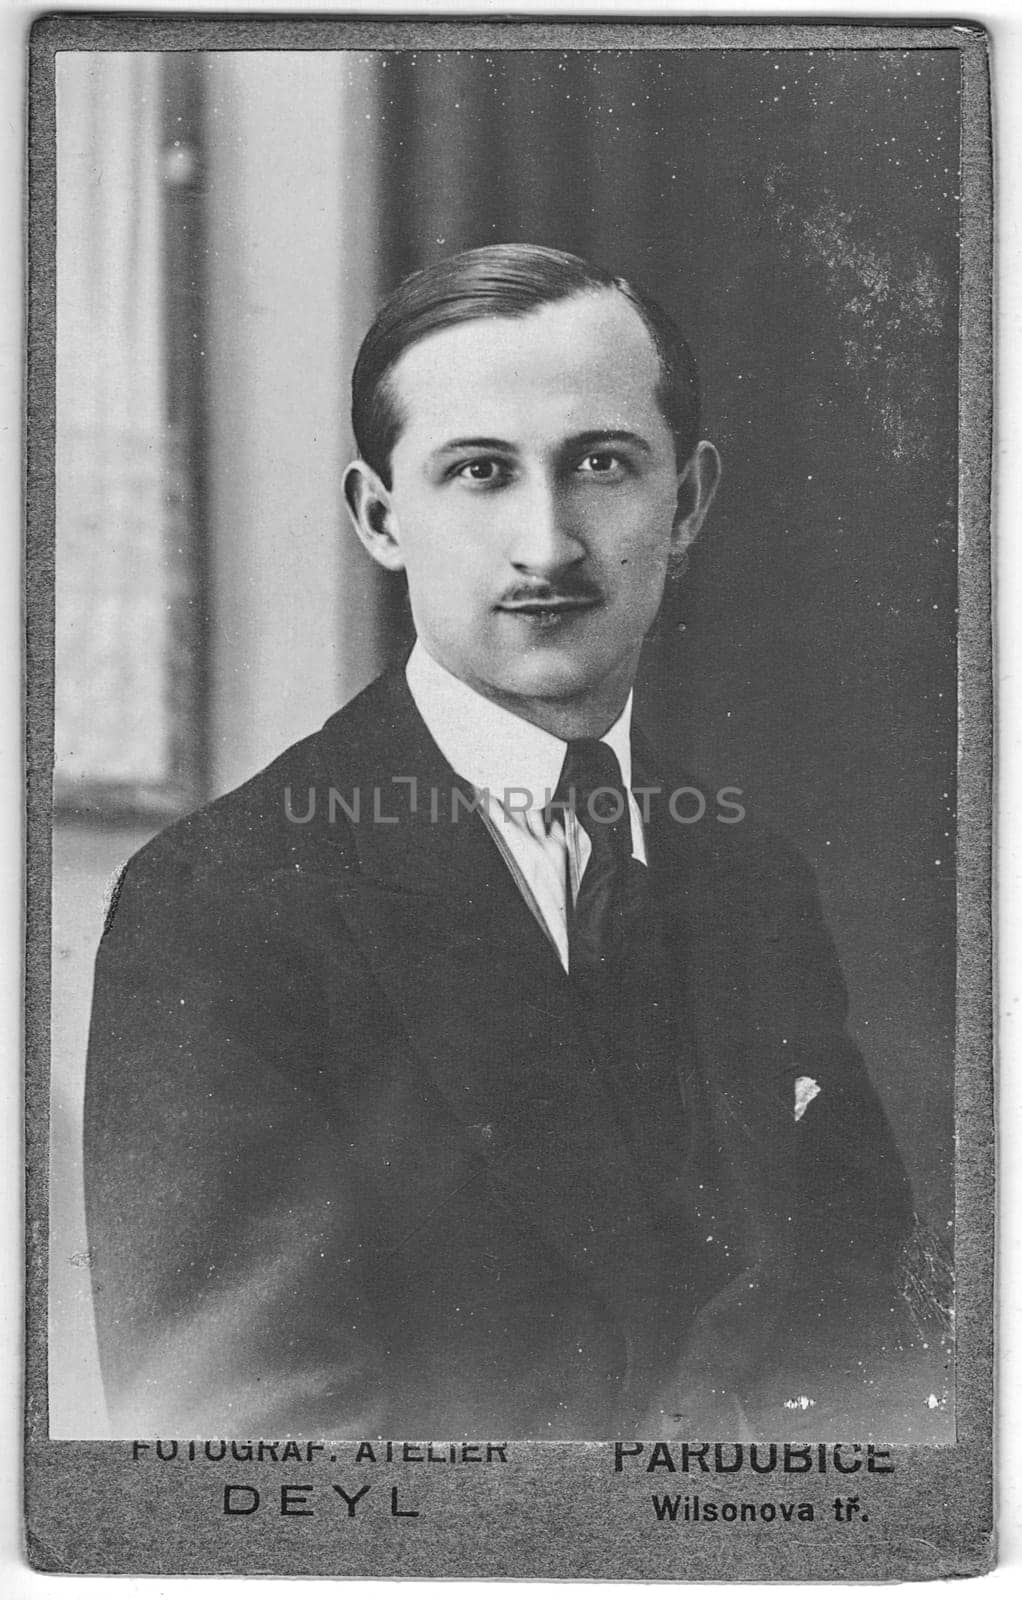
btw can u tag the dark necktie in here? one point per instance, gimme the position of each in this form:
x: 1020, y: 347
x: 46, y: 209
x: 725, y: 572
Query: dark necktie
x: 608, y: 900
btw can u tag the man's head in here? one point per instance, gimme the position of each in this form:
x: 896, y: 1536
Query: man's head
x: 529, y: 434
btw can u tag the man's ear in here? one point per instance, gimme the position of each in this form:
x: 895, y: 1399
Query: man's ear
x: 697, y: 485
x: 372, y: 513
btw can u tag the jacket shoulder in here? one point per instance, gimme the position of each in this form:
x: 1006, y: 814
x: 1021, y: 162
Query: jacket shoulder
x: 738, y: 856
x: 279, y: 819
x: 713, y: 839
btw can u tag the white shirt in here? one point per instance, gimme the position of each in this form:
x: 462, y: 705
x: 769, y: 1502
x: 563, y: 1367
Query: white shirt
x: 514, y: 768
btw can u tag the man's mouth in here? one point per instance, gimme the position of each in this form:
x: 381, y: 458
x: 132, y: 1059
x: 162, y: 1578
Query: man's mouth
x: 551, y: 609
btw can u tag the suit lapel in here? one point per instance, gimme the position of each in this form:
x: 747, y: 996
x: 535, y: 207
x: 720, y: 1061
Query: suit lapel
x: 484, y: 1001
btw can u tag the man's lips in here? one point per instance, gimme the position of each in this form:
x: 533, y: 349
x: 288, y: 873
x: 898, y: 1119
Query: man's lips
x: 554, y: 605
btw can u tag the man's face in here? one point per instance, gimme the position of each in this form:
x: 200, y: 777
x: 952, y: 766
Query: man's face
x: 534, y: 500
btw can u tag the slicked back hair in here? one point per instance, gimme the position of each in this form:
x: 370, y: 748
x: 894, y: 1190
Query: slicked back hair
x: 502, y: 280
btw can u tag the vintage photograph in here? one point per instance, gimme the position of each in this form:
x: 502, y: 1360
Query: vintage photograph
x: 505, y: 742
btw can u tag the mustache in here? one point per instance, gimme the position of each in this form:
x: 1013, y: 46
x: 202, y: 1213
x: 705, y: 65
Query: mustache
x: 577, y: 589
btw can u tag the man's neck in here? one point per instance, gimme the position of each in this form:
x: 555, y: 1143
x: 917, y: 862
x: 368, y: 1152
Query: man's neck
x: 567, y: 721
x: 585, y: 716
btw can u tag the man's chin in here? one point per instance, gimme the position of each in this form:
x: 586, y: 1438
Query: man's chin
x: 556, y: 681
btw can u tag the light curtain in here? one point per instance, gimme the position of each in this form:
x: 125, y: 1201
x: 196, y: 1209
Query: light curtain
x: 122, y: 542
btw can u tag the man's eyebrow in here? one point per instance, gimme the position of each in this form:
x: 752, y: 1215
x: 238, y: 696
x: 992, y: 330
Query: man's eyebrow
x: 452, y: 445
x: 603, y: 436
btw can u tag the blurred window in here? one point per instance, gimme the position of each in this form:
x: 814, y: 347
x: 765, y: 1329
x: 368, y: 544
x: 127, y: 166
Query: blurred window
x: 128, y: 735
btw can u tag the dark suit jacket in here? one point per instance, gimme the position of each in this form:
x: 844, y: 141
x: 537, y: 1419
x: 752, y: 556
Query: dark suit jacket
x: 353, y: 1169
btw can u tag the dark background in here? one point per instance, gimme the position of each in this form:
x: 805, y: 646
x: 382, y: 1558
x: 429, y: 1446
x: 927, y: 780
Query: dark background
x: 797, y: 211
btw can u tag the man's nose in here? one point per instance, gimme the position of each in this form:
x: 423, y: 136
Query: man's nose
x: 546, y: 536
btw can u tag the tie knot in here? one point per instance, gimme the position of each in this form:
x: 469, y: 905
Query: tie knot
x: 591, y: 785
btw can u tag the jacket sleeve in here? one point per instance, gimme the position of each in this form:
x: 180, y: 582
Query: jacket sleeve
x: 221, y: 1195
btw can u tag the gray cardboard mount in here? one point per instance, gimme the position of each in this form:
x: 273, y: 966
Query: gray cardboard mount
x: 547, y: 1510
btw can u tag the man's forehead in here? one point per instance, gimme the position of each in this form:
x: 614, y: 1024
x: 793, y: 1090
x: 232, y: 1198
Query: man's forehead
x: 592, y: 347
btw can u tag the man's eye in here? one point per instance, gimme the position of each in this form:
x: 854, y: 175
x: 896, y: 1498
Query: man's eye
x: 482, y: 470
x: 601, y: 464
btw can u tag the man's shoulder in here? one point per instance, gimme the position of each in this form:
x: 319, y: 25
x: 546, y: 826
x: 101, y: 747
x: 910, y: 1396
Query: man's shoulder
x: 275, y: 819
x: 748, y: 877
x: 715, y: 837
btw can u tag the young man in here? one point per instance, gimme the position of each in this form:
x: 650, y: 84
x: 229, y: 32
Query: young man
x: 443, y: 1083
